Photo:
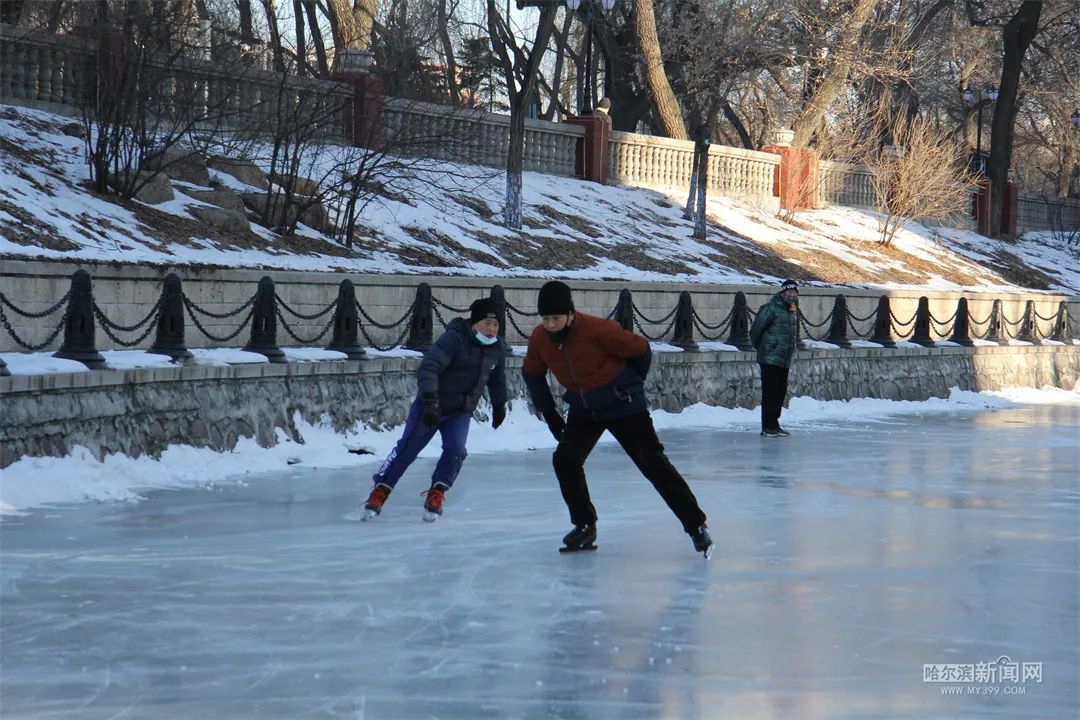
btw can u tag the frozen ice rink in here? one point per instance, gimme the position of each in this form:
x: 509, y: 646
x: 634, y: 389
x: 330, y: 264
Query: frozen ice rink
x: 849, y: 556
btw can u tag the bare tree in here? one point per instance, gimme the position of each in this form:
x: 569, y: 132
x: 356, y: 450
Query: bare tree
x: 664, y: 102
x: 840, y: 57
x: 923, y: 176
x: 144, y: 94
x: 1016, y: 37
x: 520, y: 67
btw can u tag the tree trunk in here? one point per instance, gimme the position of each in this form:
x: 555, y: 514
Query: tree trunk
x: 560, y: 56
x: 519, y: 100
x: 301, y: 41
x: 1016, y: 36
x: 247, y: 30
x: 275, y: 35
x: 448, y: 52
x: 515, y: 164
x: 838, y: 67
x: 663, y: 97
x: 342, y: 24
x: 702, y: 191
x: 1066, y: 161
x: 316, y: 37
x: 688, y: 211
x: 737, y: 124
x: 364, y: 20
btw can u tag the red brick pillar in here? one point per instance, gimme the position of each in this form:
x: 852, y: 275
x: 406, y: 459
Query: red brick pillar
x: 591, y: 160
x: 1010, y: 209
x: 982, y: 208
x: 796, y: 179
x: 362, y: 113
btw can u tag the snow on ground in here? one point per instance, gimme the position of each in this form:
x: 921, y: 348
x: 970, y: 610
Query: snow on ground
x: 42, y: 481
x: 40, y: 364
x: 573, y: 229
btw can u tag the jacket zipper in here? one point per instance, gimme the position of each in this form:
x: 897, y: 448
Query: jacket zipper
x: 573, y: 375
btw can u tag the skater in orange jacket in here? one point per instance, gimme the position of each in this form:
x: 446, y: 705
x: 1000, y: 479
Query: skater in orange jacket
x: 603, y: 369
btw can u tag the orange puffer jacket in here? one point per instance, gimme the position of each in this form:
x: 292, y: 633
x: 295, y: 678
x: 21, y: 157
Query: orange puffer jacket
x: 591, y: 363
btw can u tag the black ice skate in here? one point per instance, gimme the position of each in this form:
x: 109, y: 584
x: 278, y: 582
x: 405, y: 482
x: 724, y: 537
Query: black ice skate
x: 703, y: 541
x: 775, y: 432
x: 582, y: 537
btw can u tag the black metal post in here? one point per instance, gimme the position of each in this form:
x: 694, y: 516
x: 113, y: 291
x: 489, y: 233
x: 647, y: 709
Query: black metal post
x: 498, y: 294
x: 883, y: 324
x: 921, y: 335
x: 838, y: 326
x: 978, y: 138
x: 624, y: 310
x: 1061, y: 323
x: 421, y: 327
x: 740, y: 323
x: 346, y: 338
x: 79, y: 330
x: 993, y: 332
x: 1027, y: 327
x: 684, y: 323
x: 264, y: 323
x: 170, y: 328
x: 961, y: 326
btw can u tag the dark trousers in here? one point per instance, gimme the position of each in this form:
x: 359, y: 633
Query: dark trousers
x: 454, y: 430
x: 773, y: 390
x: 636, y: 435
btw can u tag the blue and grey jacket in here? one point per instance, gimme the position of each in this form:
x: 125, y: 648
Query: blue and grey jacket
x: 458, y: 367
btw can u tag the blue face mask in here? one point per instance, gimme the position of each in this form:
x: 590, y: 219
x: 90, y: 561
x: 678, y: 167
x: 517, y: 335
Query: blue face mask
x: 485, y: 340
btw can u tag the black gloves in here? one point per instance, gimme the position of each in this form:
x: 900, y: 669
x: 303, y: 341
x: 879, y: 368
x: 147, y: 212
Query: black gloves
x: 555, y: 423
x: 432, y: 414
x: 498, y: 414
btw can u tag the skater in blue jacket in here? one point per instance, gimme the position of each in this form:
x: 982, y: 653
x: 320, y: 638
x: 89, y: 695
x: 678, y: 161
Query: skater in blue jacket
x: 465, y: 360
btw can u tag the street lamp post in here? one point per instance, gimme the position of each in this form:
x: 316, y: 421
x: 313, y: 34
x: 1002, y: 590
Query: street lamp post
x: 589, y: 89
x: 991, y: 93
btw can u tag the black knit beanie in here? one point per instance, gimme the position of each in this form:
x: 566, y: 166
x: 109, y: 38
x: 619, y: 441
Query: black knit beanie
x: 789, y: 285
x: 482, y: 309
x: 554, y: 299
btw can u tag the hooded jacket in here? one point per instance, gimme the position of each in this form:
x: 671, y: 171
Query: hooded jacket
x: 458, y: 367
x: 773, y: 332
x: 601, y: 366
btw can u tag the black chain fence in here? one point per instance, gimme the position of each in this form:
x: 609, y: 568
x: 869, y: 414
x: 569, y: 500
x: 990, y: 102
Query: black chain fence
x: 266, y: 309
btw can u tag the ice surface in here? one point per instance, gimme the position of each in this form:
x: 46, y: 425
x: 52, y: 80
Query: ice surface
x: 850, y: 555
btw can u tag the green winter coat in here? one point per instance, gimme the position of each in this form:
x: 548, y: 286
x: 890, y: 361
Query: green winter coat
x: 773, y: 333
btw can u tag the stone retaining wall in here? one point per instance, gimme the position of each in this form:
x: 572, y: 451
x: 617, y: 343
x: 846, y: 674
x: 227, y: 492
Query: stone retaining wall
x: 143, y: 411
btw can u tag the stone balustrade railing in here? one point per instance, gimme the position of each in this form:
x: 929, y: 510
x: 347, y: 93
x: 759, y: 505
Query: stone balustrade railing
x: 846, y: 184
x: 645, y: 161
x: 478, y: 137
x: 51, y: 72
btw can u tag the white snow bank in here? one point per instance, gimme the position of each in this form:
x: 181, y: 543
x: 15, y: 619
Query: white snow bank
x: 78, y: 477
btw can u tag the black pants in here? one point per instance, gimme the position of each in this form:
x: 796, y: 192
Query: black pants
x: 773, y: 390
x: 638, y: 438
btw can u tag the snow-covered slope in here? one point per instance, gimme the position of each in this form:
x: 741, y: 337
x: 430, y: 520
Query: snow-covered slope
x: 573, y: 229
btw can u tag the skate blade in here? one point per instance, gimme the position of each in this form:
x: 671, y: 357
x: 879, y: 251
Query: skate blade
x: 362, y: 516
x: 430, y: 517
x: 584, y: 548
x: 708, y: 552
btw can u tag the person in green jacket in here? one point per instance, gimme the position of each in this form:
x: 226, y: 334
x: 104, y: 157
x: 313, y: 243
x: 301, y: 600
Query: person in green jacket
x: 773, y: 336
